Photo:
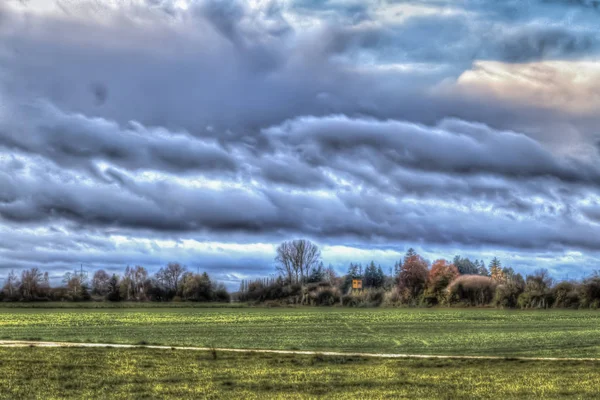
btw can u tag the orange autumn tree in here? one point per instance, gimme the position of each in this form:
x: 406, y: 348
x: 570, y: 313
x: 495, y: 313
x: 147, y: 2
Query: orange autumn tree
x: 412, y: 277
x: 441, y: 274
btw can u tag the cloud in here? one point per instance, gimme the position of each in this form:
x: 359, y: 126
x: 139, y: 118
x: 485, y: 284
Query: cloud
x: 559, y: 85
x: 370, y: 126
x: 239, y: 68
x: 483, y: 178
x: 78, y: 141
x: 468, y: 148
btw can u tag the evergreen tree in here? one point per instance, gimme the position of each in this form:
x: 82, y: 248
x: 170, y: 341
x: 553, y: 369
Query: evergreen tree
x: 354, y: 272
x: 379, y: 278
x: 495, y: 263
x: 465, y: 266
x: 410, y: 253
x: 482, y: 270
x: 508, y: 272
x: 397, y: 269
x: 317, y: 274
x: 371, y: 277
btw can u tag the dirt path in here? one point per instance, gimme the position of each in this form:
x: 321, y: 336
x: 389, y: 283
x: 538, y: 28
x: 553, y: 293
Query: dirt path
x: 28, y: 343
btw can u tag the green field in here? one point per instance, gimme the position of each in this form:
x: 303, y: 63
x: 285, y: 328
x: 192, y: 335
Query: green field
x: 145, y: 373
x: 560, y: 333
x: 150, y: 373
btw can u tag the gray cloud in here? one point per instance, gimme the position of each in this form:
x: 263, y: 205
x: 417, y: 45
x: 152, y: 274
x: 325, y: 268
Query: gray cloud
x: 238, y: 123
x: 79, y: 141
x: 468, y: 148
x: 491, y: 190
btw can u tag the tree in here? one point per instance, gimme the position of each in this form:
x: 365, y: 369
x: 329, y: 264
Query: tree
x: 397, y: 269
x: 566, y: 295
x: 198, y: 287
x: 76, y: 285
x: 507, y: 294
x: 379, y: 278
x: 374, y: 276
x: 11, y: 286
x: 354, y: 272
x: 296, y: 258
x: 440, y: 276
x: 31, y: 282
x: 330, y: 275
x: 537, y: 292
x: 496, y: 271
x: 134, y: 284
x: 495, y: 263
x: 317, y: 274
x: 509, y: 273
x: 100, y: 282
x: 465, y: 266
x: 589, y: 291
x: 370, y: 275
x: 413, y: 276
x: 481, y: 269
x: 170, y: 277
x: 114, y: 292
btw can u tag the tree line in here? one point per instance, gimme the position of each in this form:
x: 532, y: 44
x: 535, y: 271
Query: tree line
x: 172, y: 282
x: 302, y: 278
x: 413, y: 281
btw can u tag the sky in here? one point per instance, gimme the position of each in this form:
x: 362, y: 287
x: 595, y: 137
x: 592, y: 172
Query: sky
x: 139, y: 132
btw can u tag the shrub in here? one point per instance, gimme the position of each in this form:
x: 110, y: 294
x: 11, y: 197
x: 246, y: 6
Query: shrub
x: 537, y: 292
x: 507, y: 294
x: 350, y: 300
x: 221, y: 294
x: 566, y: 295
x: 589, y: 292
x: 474, y: 290
x: 375, y: 297
x: 392, y: 297
x: 364, y: 298
x: 325, y: 296
x: 262, y: 290
x: 272, y: 303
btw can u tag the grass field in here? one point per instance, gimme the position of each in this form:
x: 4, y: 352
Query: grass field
x: 118, y: 305
x: 559, y: 333
x: 145, y: 373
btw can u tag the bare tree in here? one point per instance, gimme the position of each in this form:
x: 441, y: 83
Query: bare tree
x: 134, y: 283
x: 76, y: 285
x: 100, y: 282
x: 11, y: 286
x: 170, y: 276
x: 31, y: 280
x: 296, y: 258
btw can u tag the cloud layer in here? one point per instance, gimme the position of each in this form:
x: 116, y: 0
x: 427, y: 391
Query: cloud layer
x: 145, y: 131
